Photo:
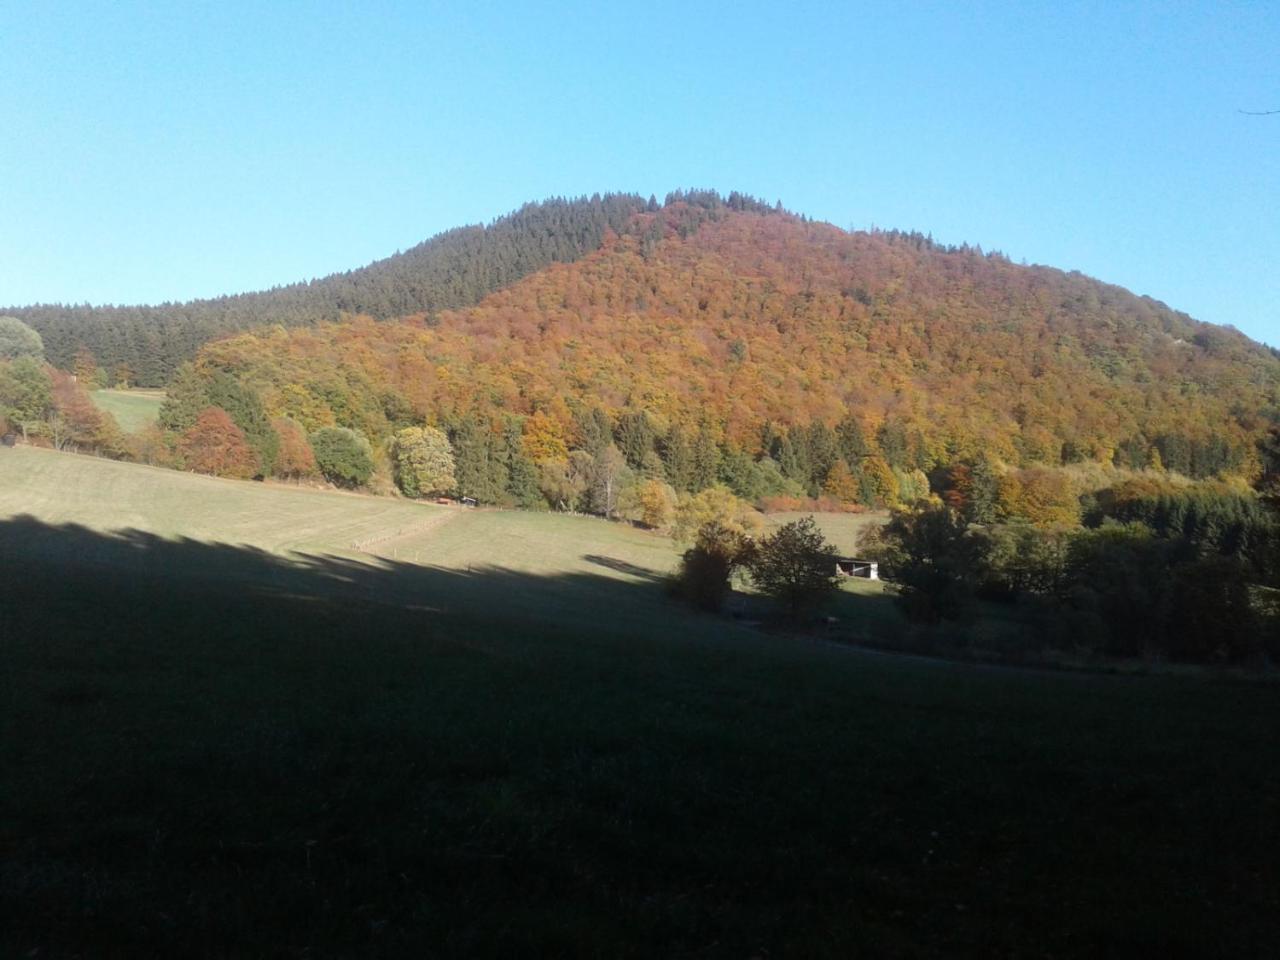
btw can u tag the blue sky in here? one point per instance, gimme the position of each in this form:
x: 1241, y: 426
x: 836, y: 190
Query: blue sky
x: 154, y: 152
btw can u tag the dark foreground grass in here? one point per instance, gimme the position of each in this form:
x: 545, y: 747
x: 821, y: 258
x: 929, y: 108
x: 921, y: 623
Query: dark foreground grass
x: 207, y: 752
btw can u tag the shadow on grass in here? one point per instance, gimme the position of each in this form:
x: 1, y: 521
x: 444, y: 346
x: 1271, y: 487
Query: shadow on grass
x: 623, y: 566
x: 46, y: 559
x: 212, y: 750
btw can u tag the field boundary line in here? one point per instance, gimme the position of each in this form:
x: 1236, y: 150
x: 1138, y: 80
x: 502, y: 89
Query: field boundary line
x: 444, y: 516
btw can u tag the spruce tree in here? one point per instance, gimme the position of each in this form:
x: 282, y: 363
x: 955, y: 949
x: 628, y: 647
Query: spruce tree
x: 851, y: 442
x: 478, y: 471
x: 522, y: 473
x: 635, y: 435
x: 706, y: 460
x: 677, y: 459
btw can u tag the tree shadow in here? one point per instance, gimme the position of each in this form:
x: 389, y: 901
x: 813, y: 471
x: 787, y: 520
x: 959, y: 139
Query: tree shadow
x: 28, y: 545
x: 622, y: 566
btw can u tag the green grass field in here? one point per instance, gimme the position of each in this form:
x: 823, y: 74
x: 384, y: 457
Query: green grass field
x: 227, y: 731
x: 842, y: 529
x: 133, y: 409
x: 109, y: 495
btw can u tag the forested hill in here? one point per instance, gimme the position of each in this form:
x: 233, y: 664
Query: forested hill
x: 750, y: 318
x: 454, y: 269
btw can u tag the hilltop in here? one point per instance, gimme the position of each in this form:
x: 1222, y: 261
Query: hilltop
x: 734, y: 321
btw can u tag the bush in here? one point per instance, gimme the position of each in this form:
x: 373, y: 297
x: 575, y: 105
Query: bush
x: 343, y: 456
x: 796, y: 566
x: 651, y: 503
x: 707, y: 566
x: 715, y: 504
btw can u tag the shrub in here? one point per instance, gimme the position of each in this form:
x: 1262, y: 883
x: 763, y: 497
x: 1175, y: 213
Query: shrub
x: 715, y: 504
x: 796, y: 566
x: 651, y: 502
x: 707, y: 566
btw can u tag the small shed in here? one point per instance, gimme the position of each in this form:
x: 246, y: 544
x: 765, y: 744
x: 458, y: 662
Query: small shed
x: 469, y: 501
x: 855, y: 567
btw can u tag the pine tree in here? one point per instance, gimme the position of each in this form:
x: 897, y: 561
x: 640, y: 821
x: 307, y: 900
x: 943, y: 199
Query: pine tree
x: 184, y: 400
x: 791, y: 462
x: 245, y: 407
x: 892, y: 439
x: 596, y: 430
x: 822, y: 453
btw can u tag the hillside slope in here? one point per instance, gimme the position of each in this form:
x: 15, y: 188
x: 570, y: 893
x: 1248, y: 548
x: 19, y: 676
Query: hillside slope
x: 752, y: 318
x: 453, y: 269
x: 209, y: 747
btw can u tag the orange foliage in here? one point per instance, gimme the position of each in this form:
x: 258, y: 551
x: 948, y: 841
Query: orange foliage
x: 294, y: 458
x: 756, y: 318
x: 214, y: 444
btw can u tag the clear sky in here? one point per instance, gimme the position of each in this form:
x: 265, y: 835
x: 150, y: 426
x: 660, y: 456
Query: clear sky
x: 155, y: 151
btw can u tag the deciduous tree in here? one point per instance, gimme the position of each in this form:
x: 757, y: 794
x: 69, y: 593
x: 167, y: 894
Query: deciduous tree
x: 19, y: 340
x: 424, y: 462
x: 214, y: 444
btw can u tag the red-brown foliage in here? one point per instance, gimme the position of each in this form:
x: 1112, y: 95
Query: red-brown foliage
x: 757, y: 318
x: 294, y: 458
x: 214, y: 444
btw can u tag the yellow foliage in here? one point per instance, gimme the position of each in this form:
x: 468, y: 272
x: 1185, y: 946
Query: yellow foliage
x: 544, y: 438
x: 717, y: 504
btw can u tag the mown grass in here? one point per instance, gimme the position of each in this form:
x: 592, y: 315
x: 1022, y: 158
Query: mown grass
x: 213, y: 750
x: 107, y: 495
x: 132, y: 409
x: 845, y: 530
